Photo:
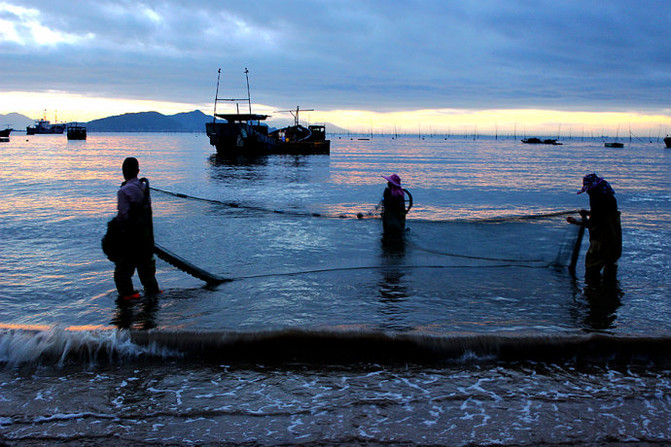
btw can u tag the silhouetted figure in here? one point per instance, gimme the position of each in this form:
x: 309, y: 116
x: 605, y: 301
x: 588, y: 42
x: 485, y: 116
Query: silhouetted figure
x: 134, y: 218
x: 393, y: 206
x: 605, y: 232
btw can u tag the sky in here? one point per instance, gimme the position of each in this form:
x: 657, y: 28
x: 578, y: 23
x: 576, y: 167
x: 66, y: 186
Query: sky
x: 569, y: 66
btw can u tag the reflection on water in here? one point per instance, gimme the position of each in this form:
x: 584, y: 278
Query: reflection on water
x: 393, y: 290
x: 393, y: 247
x: 596, y: 305
x: 140, y: 314
x: 603, y: 299
x: 237, y: 160
x: 393, y: 254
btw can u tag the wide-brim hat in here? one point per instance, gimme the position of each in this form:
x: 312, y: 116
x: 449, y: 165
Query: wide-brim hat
x: 393, y: 179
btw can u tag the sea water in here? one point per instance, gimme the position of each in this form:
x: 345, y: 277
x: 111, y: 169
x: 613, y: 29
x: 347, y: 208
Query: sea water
x: 469, y: 330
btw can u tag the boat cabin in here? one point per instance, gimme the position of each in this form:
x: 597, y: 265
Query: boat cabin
x: 318, y: 132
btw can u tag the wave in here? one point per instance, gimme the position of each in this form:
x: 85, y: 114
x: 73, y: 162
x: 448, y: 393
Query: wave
x: 25, y: 345
x: 40, y: 345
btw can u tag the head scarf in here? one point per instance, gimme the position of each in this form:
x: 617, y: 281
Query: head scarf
x: 592, y: 183
x: 394, y: 185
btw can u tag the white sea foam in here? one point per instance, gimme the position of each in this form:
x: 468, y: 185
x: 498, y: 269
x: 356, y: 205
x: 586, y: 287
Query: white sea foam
x: 19, y: 347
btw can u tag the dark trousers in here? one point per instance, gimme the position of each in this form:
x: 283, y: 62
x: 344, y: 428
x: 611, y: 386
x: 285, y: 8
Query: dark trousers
x: 146, y: 270
x: 605, y: 248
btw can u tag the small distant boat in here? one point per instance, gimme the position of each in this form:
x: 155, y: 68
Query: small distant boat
x: 76, y: 132
x: 4, y: 133
x: 539, y: 141
x: 43, y: 127
x: 667, y: 141
x: 615, y: 143
x: 245, y: 134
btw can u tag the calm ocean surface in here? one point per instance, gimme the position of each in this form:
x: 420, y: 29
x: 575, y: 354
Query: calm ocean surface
x: 471, y: 331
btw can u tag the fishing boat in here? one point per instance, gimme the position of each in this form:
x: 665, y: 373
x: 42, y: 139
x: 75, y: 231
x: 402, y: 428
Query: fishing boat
x: 43, y: 127
x: 667, y: 142
x: 4, y: 133
x: 298, y: 139
x: 76, y: 132
x: 246, y: 134
x: 539, y: 141
x: 616, y: 143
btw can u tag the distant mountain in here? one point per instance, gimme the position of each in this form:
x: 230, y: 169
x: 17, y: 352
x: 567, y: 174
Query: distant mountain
x: 15, y: 121
x: 192, y: 121
x: 332, y: 128
x: 180, y: 122
x: 148, y: 122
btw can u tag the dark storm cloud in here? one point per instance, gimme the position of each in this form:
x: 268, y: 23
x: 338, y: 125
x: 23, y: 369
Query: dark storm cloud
x: 375, y: 55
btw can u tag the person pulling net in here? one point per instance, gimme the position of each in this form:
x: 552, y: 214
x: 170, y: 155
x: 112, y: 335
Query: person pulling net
x: 393, y: 205
x: 605, y: 232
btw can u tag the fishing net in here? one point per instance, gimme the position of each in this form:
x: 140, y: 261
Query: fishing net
x: 236, y: 239
x: 531, y: 241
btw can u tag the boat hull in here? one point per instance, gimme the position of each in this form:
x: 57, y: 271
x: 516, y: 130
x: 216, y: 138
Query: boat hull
x: 539, y: 141
x: 305, y: 148
x: 238, y: 138
x: 613, y: 144
x: 45, y: 130
x: 246, y: 139
x: 4, y: 133
x: 667, y: 141
x: 76, y: 133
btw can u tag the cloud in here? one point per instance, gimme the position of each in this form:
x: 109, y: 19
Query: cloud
x: 23, y: 27
x: 372, y: 54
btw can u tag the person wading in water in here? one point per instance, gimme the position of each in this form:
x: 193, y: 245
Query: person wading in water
x: 605, y: 232
x: 134, y: 218
x: 393, y: 206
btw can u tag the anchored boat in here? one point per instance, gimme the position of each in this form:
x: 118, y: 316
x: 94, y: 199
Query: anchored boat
x: 43, y: 126
x: 76, y: 132
x: 246, y: 134
x: 535, y: 140
x: 667, y: 141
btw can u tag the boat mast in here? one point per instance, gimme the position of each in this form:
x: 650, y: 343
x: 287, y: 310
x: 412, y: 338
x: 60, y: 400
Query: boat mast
x: 295, y: 113
x: 216, y: 96
x: 249, y: 97
x: 237, y: 106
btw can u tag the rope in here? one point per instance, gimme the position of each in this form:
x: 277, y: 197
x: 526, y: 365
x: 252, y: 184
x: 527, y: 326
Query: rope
x: 371, y: 267
x: 513, y: 218
x: 368, y: 214
x: 220, y: 279
x: 479, y: 258
x: 266, y: 210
